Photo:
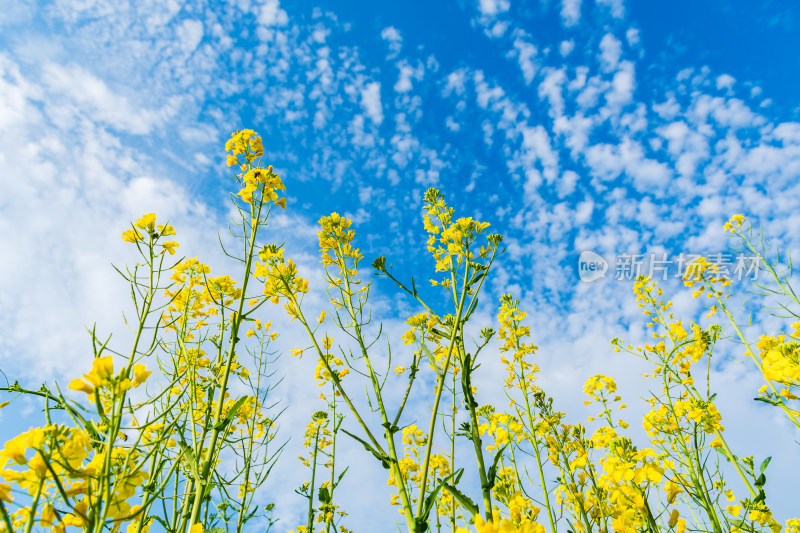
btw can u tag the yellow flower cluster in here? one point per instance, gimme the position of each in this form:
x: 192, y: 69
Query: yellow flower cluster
x: 64, y: 468
x: 780, y: 361
x: 336, y: 244
x: 245, y: 143
x: 449, y: 242
x: 101, y: 380
x: 521, y: 373
x: 734, y: 223
x: 502, y: 526
x: 701, y: 271
x: 246, y: 147
x: 155, y: 233
x: 328, y: 364
x: 439, y: 466
x: 503, y: 427
x: 280, y: 276
x: 336, y: 247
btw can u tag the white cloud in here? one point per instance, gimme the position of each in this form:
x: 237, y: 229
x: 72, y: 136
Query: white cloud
x: 725, y: 81
x: 485, y: 94
x: 190, y: 33
x: 525, y: 53
x: 632, y: 36
x: 610, y: 52
x: 82, y: 189
x: 371, y: 102
x: 615, y: 7
x: 407, y: 75
x: 455, y: 82
x: 491, y: 8
x: 86, y: 93
x: 566, y: 47
x: 358, y: 135
x: 583, y: 212
x: 788, y: 132
x: 688, y: 147
x: 736, y: 114
x: 392, y: 36
x: 551, y: 90
x: 566, y: 185
x: 576, y: 130
x: 622, y: 86
x: 488, y: 132
x: 451, y: 124
x: 570, y: 12
x: 668, y: 109
x: 269, y: 13
x: 610, y: 161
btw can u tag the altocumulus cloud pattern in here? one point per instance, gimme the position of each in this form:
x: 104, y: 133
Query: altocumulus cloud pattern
x: 570, y: 125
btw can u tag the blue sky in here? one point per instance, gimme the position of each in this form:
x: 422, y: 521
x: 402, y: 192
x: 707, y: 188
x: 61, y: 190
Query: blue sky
x: 569, y: 125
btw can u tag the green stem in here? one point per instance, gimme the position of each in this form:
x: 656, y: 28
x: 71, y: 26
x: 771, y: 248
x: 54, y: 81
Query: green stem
x: 535, y: 440
x: 6, y: 518
x: 34, y: 504
x: 440, y: 388
x: 208, y: 460
x: 310, y: 522
x: 752, y: 355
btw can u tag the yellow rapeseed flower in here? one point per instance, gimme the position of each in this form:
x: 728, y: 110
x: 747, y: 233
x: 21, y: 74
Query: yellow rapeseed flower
x: 147, y: 222
x: 505, y: 526
x: 132, y: 235
x: 734, y: 223
x: 140, y: 374
x: 5, y: 493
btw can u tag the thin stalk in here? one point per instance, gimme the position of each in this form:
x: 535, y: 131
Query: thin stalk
x: 752, y: 355
x: 310, y: 525
x: 217, y: 429
x: 535, y: 440
x: 388, y: 432
x: 453, y: 452
x: 440, y: 388
x: 34, y: 504
x: 717, y: 432
x: 6, y: 518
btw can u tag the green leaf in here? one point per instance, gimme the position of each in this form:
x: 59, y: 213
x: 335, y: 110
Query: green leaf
x: 723, y: 453
x: 463, y: 499
x: 430, y: 501
x: 339, y: 480
x: 190, y: 457
x: 385, y: 460
x: 767, y: 400
x: 324, y: 495
x: 222, y: 424
x: 161, y: 521
x: 492, y: 475
x: 390, y: 427
x: 431, y: 359
x: 765, y: 464
x: 207, y: 490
